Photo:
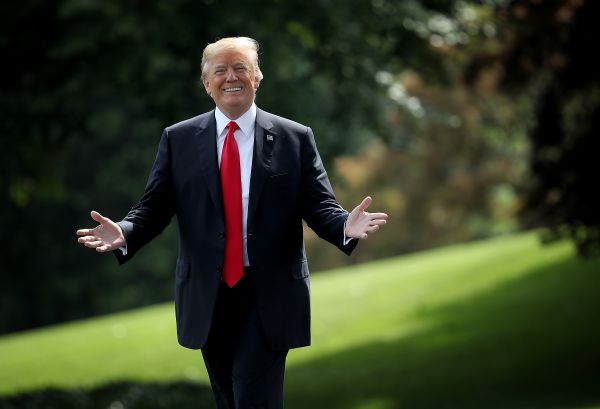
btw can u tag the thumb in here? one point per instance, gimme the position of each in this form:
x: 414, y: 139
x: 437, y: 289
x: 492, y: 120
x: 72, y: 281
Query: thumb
x: 98, y: 217
x: 365, y: 203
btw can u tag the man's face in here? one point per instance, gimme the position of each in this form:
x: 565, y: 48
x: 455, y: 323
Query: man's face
x: 231, y: 82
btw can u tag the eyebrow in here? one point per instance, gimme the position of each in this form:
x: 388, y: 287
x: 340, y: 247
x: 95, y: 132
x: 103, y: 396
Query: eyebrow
x: 238, y: 62
x: 235, y: 64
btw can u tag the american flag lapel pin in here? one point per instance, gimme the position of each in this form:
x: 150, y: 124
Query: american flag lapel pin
x: 269, y: 137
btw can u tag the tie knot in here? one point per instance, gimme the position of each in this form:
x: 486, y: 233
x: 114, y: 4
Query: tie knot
x: 233, y: 126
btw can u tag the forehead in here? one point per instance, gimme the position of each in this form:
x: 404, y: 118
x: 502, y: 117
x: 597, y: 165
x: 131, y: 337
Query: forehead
x: 231, y: 56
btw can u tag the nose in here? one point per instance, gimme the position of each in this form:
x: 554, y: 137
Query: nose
x: 231, y: 75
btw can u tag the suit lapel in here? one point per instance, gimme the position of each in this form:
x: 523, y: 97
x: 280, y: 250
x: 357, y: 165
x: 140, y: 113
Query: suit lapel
x: 206, y: 143
x: 264, y: 142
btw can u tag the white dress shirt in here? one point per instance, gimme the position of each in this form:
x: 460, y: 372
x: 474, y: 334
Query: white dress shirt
x: 244, y: 138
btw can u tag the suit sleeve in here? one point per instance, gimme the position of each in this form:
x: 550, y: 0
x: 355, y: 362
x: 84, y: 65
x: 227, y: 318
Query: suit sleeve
x: 152, y: 214
x: 320, y: 209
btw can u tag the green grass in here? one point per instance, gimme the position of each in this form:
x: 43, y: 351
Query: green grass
x: 499, y: 323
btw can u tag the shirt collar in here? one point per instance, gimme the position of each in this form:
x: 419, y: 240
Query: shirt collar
x: 245, y: 122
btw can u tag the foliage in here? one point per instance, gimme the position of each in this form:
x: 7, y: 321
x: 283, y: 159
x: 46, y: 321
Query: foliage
x: 443, y: 93
x: 545, y: 55
x: 501, y: 323
x: 91, y: 84
x: 456, y: 181
x: 451, y: 164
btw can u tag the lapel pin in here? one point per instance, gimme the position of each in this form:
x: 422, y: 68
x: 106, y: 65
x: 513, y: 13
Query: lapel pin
x: 269, y: 138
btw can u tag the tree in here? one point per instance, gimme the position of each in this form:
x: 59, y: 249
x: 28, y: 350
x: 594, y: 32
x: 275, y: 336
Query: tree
x: 89, y: 87
x: 546, y: 54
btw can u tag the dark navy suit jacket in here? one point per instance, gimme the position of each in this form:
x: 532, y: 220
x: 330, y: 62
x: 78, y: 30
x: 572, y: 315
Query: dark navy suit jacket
x: 288, y: 184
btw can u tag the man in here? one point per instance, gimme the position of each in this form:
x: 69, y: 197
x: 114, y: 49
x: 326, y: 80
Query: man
x: 240, y: 181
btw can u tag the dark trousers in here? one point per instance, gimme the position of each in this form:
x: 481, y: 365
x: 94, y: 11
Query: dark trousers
x: 244, y: 372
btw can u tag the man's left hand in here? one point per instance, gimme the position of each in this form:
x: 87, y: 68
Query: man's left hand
x: 361, y: 223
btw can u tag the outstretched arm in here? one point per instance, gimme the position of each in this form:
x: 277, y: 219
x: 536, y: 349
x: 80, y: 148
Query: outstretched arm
x: 107, y: 236
x: 360, y: 223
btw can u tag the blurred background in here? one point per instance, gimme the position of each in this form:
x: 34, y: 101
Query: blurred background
x: 466, y: 121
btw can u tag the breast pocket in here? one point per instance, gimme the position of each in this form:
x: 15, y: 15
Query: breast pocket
x: 278, y: 177
x: 280, y: 189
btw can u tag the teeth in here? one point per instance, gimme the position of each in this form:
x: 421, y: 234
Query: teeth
x: 233, y: 89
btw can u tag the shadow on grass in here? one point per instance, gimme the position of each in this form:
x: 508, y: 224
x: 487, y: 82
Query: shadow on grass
x: 530, y: 343
x: 122, y: 395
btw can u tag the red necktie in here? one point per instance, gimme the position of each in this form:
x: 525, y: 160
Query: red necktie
x: 231, y: 184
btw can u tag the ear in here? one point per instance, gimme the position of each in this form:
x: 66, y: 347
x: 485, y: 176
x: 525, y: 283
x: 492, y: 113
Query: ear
x: 206, y: 86
x: 256, y: 83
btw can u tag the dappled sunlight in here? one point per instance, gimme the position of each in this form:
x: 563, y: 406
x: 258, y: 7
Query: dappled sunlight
x: 391, y: 299
x: 528, y: 341
x: 506, y: 321
x: 138, y: 345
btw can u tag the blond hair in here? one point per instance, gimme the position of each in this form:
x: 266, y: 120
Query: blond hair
x: 232, y: 43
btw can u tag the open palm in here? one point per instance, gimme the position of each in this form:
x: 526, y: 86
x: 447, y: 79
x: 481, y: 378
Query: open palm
x: 361, y: 223
x: 107, y: 236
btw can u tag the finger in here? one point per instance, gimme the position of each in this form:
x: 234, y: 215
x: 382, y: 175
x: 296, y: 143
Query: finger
x: 87, y: 239
x: 102, y: 249
x: 365, y: 203
x: 378, y: 216
x: 93, y: 244
x: 379, y: 222
x: 98, y: 217
x: 372, y: 229
x: 83, y: 232
x: 364, y: 236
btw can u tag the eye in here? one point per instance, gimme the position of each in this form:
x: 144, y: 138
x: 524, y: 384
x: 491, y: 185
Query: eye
x: 220, y: 71
x: 241, y: 68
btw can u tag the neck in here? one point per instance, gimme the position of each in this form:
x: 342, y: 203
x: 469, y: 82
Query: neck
x: 234, y: 114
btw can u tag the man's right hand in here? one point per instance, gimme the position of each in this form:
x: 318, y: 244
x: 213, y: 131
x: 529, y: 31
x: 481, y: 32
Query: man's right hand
x: 107, y: 236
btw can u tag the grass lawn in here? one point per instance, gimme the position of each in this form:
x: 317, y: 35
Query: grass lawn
x: 501, y: 323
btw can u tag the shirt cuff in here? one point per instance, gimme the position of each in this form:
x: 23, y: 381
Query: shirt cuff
x: 346, y: 239
x: 124, y: 248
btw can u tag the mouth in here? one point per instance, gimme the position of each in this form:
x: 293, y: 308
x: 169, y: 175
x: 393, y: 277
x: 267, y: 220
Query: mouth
x: 232, y: 89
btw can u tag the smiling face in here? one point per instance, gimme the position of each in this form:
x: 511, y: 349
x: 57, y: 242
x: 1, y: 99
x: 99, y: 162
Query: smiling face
x: 231, y: 81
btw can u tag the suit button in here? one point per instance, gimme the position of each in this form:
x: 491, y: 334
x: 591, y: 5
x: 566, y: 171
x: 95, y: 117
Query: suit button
x: 222, y: 234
